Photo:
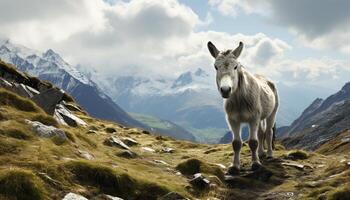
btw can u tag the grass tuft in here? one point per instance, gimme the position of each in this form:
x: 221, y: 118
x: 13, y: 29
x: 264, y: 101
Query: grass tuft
x: 193, y: 166
x: 11, y: 99
x: 45, y: 119
x: 298, y: 155
x: 21, y: 185
x: 342, y: 193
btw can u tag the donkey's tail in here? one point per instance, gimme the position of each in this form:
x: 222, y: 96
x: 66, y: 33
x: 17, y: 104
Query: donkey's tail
x: 273, y: 136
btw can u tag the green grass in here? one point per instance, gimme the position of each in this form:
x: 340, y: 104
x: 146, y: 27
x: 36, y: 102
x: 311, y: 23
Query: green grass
x: 16, y: 130
x: 11, y: 99
x: 110, y: 181
x: 341, y: 193
x: 208, y: 135
x: 21, y: 185
x: 152, y: 121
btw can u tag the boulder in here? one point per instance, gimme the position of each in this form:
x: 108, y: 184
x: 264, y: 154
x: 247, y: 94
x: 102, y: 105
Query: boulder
x: 65, y: 117
x: 48, y: 99
x: 73, y: 196
x: 199, y: 181
x: 114, y: 141
x: 46, y: 131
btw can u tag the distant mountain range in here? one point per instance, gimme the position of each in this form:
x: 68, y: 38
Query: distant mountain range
x: 190, y: 100
x: 320, y: 122
x: 51, y: 67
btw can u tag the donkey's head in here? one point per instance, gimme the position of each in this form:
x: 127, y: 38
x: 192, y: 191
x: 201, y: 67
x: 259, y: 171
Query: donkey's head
x: 226, y: 66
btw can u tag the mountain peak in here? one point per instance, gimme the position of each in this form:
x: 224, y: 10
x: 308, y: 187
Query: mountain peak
x: 182, y: 80
x: 346, y: 87
x: 200, y: 72
x: 51, y: 54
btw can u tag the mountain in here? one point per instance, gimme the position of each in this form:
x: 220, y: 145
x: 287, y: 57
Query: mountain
x: 51, y: 67
x: 160, y: 126
x: 319, y: 122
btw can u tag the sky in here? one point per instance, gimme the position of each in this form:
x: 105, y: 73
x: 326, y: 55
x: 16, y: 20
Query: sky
x: 292, y: 42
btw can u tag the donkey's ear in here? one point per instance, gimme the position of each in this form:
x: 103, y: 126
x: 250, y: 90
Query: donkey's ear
x: 238, y: 50
x: 213, y: 50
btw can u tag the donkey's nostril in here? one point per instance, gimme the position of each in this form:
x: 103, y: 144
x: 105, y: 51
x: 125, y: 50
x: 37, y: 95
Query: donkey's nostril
x: 225, y: 91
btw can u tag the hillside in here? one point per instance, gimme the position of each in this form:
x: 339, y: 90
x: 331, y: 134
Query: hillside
x: 319, y: 122
x: 51, y: 67
x: 69, y: 153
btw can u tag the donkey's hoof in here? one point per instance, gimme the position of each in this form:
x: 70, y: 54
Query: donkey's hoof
x: 233, y: 170
x: 256, y: 166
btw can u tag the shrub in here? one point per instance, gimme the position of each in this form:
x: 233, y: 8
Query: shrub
x: 193, y: 166
x: 21, y: 185
x: 298, y: 155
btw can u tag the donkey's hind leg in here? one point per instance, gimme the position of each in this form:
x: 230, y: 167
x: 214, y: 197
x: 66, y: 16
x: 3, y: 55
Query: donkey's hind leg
x: 261, y: 138
x: 270, y: 122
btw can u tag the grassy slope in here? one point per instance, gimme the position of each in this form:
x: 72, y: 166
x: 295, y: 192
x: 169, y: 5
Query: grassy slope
x: 27, y: 162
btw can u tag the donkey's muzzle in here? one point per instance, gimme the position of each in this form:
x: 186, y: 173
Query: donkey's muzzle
x: 225, y: 91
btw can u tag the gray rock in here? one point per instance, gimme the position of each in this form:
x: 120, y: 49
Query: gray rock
x: 168, y: 150
x: 129, y: 141
x: 65, y: 117
x: 46, y: 131
x: 172, y: 196
x: 73, y: 196
x: 200, y: 182
x: 48, y: 99
x: 85, y: 154
x: 115, y: 142
x: 148, y: 149
x: 109, y: 197
x: 296, y: 165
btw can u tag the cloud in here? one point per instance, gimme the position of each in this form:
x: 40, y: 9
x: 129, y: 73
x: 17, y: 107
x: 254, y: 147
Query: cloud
x: 319, y: 24
x: 147, y: 37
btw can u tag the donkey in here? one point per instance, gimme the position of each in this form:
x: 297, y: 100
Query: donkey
x: 248, y: 98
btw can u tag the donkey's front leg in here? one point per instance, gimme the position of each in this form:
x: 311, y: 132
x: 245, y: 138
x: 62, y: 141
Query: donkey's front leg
x: 254, y: 144
x: 236, y: 145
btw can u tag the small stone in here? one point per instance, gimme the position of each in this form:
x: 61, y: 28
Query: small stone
x: 116, y: 142
x: 220, y: 165
x: 199, y: 181
x: 345, y: 139
x: 73, y: 196
x: 148, y: 149
x: 91, y: 132
x: 168, y: 150
x: 129, y: 141
x: 296, y: 165
x: 127, y: 154
x: 85, y: 154
x: 161, y: 162
x: 109, y: 197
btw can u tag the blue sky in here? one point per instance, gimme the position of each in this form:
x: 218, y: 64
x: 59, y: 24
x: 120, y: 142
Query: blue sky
x: 293, y: 42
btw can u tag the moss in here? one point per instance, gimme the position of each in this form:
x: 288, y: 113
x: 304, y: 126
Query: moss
x: 298, y: 155
x: 45, y: 119
x: 11, y: 99
x: 342, y: 193
x: 110, y: 182
x: 21, y: 185
x: 193, y: 166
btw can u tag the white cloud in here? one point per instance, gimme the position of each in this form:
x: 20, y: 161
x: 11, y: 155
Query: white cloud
x: 319, y: 24
x: 148, y: 37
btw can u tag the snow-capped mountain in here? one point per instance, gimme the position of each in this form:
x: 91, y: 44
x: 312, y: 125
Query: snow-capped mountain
x: 51, y: 67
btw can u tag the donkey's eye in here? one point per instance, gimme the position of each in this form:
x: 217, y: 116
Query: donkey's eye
x: 236, y: 66
x: 216, y: 67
